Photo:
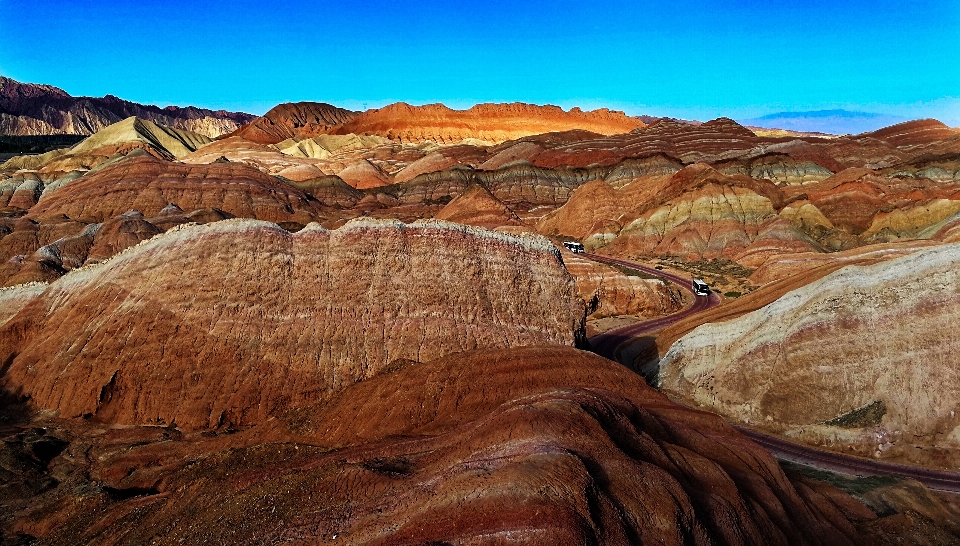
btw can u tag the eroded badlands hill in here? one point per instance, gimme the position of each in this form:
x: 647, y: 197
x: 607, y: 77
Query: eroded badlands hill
x: 294, y: 120
x: 238, y: 321
x: 148, y: 185
x: 863, y: 359
x: 545, y: 445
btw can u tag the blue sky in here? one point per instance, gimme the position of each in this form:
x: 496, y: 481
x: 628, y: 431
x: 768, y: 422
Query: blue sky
x: 691, y: 59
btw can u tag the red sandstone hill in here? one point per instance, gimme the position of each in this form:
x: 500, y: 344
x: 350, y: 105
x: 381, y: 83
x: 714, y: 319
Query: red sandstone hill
x: 148, y: 184
x: 487, y: 122
x: 32, y: 109
x: 239, y: 321
x: 689, y: 142
x: 545, y: 445
x: 294, y: 120
x: 921, y: 131
x: 478, y: 207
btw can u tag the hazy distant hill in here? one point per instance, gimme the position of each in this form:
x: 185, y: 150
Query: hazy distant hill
x: 836, y: 122
x: 33, y: 109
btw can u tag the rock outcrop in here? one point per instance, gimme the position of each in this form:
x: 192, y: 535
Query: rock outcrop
x: 862, y: 359
x: 696, y: 213
x: 363, y: 175
x: 32, y: 109
x: 240, y: 320
x: 591, y: 204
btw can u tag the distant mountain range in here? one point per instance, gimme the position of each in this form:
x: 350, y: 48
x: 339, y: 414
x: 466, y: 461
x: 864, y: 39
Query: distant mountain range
x: 834, y: 122
x: 28, y: 109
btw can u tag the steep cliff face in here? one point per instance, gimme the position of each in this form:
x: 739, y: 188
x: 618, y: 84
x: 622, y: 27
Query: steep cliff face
x: 484, y: 122
x: 239, y: 320
x: 861, y: 359
x: 31, y: 109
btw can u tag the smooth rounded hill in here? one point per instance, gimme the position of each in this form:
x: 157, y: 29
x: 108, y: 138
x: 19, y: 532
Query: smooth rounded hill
x: 910, y: 133
x: 485, y: 122
x: 148, y: 185
x: 294, y: 120
x: 240, y: 320
x: 863, y: 359
x: 172, y: 143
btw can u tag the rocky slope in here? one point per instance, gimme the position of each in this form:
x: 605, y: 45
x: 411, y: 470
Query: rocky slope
x: 167, y: 141
x: 696, y: 213
x: 483, y: 122
x: 618, y: 293
x: 32, y: 109
x: 238, y: 321
x: 536, y: 445
x: 476, y: 206
x: 860, y: 360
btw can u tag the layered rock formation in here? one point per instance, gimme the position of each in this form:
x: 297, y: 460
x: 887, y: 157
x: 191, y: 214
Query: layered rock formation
x: 167, y: 141
x: 478, y: 207
x: 541, y: 444
x: 861, y: 360
x: 148, y: 185
x: 618, y: 293
x: 484, y: 122
x: 691, y: 143
x: 696, y: 213
x: 294, y: 120
x: 240, y: 320
x: 32, y: 109
x: 911, y: 133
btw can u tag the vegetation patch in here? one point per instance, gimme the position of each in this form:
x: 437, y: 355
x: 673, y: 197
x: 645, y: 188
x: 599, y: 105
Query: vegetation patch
x: 633, y: 272
x: 853, y: 485
x: 867, y: 416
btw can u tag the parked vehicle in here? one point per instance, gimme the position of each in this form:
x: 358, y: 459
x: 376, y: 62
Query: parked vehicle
x: 574, y: 247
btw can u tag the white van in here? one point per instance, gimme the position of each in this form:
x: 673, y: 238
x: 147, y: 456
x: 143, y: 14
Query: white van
x: 574, y: 247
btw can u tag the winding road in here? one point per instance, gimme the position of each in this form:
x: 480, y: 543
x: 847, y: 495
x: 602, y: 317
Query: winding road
x: 608, y: 343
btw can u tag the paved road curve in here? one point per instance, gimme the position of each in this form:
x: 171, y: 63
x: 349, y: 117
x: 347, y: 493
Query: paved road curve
x: 606, y: 345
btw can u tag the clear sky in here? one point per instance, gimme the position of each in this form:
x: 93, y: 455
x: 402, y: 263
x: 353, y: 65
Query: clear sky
x: 691, y: 59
